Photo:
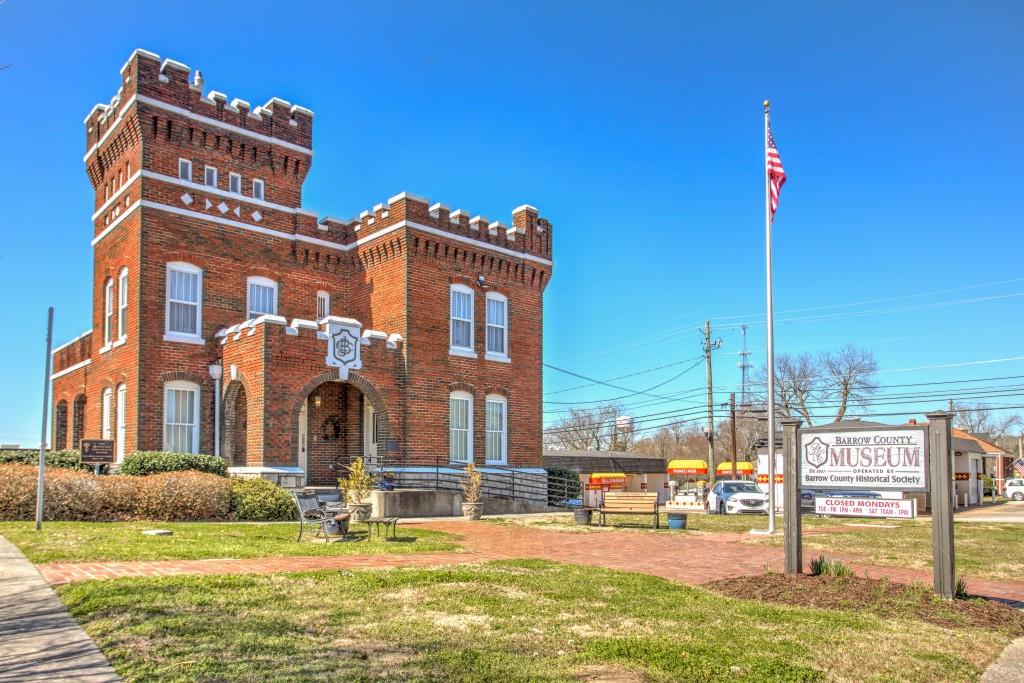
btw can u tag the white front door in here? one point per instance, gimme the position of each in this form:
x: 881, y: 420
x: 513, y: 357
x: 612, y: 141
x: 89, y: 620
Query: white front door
x: 370, y: 435
x: 304, y: 438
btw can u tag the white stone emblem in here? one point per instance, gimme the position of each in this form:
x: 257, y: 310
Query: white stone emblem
x: 816, y: 453
x: 343, y: 344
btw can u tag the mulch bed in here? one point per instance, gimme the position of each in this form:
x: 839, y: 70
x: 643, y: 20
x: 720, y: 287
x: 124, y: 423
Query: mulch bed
x: 878, y: 596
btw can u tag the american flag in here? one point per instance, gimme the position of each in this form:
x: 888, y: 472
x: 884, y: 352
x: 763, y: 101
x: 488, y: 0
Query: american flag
x: 1018, y: 467
x: 776, y: 174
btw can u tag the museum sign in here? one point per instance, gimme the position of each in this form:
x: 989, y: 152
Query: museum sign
x: 877, y: 459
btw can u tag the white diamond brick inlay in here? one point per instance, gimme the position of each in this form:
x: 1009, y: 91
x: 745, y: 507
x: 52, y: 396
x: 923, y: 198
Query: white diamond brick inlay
x: 208, y: 204
x: 257, y: 216
x: 238, y: 211
x: 222, y: 207
x: 186, y: 199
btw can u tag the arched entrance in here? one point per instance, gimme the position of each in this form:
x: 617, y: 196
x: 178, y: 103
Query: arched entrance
x: 334, y: 422
x: 235, y: 424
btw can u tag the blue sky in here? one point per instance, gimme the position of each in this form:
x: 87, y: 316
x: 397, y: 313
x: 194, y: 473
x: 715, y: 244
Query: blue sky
x: 635, y: 127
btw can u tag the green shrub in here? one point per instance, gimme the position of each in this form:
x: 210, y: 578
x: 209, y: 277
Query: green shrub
x: 822, y: 566
x: 563, y: 485
x: 142, y: 463
x: 67, y: 459
x: 259, y: 500
x: 960, y: 589
x: 72, y: 495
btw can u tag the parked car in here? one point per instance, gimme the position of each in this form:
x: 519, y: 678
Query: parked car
x: 1015, y: 489
x: 807, y: 496
x: 737, y: 497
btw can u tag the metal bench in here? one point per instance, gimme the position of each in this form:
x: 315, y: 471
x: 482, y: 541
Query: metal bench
x: 626, y: 503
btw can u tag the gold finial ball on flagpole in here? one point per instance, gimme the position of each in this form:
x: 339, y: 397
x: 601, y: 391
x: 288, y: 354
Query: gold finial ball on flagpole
x: 767, y: 105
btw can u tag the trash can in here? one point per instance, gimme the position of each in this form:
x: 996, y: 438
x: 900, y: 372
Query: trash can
x: 676, y: 520
x: 583, y: 516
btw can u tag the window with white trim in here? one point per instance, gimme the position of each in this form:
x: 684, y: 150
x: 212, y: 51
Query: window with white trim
x: 235, y: 183
x: 497, y: 324
x: 460, y: 421
x: 257, y: 188
x: 497, y: 428
x: 323, y: 305
x: 185, y: 169
x: 108, y: 311
x: 108, y: 395
x: 122, y: 396
x: 184, y: 301
x: 122, y: 304
x: 210, y: 176
x: 262, y: 297
x: 181, y: 417
x: 461, y: 318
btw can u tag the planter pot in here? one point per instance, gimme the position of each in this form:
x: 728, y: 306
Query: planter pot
x: 676, y: 520
x: 360, y: 511
x: 583, y: 516
x: 472, y: 511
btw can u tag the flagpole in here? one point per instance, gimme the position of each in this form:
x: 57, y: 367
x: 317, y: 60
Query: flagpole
x: 770, y: 328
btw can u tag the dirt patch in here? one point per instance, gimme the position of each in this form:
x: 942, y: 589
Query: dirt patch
x: 608, y: 674
x: 881, y: 597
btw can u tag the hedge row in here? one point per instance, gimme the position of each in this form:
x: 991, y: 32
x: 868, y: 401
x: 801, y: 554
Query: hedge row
x: 66, y: 459
x: 142, y: 463
x: 72, y: 495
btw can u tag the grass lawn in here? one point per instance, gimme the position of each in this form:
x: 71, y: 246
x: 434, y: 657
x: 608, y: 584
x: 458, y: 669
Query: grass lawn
x: 103, y: 541
x: 509, y: 621
x: 991, y: 551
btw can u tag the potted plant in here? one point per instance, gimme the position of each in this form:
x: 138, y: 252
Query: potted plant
x: 356, y: 489
x: 472, y: 507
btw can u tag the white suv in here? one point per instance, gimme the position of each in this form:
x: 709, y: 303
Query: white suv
x: 1015, y: 489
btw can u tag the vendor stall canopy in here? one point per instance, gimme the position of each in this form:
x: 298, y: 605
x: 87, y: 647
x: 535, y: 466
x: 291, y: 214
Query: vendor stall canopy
x: 742, y: 468
x: 687, y: 467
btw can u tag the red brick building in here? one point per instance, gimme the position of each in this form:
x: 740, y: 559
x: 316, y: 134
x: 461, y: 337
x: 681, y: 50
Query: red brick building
x: 409, y: 334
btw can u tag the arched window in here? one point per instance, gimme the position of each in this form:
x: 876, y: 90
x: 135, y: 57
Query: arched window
x: 60, y: 426
x: 181, y: 417
x: 108, y: 311
x: 497, y: 326
x: 108, y: 395
x: 78, y: 421
x: 460, y: 421
x: 497, y: 429
x: 122, y: 304
x: 262, y: 297
x: 461, y: 321
x: 184, y: 303
x: 122, y: 394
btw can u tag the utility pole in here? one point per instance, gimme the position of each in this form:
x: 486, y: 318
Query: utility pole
x: 709, y: 346
x: 744, y: 366
x: 732, y: 430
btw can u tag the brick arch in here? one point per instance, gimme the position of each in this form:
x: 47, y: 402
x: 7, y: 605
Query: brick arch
x: 60, y: 425
x: 365, y: 386
x: 180, y: 375
x: 238, y: 387
x: 462, y: 386
x: 503, y: 391
x: 78, y: 421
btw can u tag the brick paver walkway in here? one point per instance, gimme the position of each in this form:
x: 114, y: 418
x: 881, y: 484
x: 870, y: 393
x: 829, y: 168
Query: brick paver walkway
x: 687, y: 558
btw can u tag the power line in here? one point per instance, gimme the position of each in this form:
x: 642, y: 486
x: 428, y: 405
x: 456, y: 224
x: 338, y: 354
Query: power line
x: 607, y: 384
x: 632, y: 374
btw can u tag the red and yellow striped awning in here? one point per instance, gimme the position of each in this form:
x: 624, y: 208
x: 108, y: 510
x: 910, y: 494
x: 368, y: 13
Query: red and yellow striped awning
x: 742, y: 468
x: 607, y: 477
x: 687, y: 467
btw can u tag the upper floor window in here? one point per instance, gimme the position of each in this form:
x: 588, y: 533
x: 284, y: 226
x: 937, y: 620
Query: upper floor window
x: 122, y: 304
x: 235, y: 183
x: 184, y: 301
x: 262, y: 297
x: 460, y: 424
x: 323, y: 305
x: 461, y: 318
x: 185, y: 169
x: 210, y: 178
x: 181, y: 417
x: 108, y: 311
x: 497, y: 325
x: 257, y: 188
x: 497, y: 429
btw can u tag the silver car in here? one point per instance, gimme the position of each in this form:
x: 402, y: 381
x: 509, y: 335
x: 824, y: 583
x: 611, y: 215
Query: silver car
x: 735, y: 497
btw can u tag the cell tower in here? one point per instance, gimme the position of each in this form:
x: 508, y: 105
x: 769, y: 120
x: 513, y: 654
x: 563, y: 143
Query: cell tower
x: 744, y: 366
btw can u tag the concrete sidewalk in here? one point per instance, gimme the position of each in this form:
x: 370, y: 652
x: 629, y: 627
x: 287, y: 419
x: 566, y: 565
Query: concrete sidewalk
x: 39, y: 641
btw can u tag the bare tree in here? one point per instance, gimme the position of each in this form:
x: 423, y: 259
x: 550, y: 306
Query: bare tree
x: 588, y: 429
x: 675, y: 440
x: 838, y: 380
x: 981, y: 419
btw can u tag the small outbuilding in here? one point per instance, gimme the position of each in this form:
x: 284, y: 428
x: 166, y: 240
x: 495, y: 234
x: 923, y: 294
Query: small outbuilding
x: 602, y: 471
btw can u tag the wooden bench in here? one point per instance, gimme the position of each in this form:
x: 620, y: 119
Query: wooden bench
x: 630, y: 504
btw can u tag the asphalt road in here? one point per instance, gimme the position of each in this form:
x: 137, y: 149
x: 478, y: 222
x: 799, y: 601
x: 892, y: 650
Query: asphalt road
x: 1012, y: 512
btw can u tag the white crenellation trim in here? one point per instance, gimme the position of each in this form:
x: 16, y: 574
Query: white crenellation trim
x: 69, y: 343
x: 408, y: 196
x: 70, y: 369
